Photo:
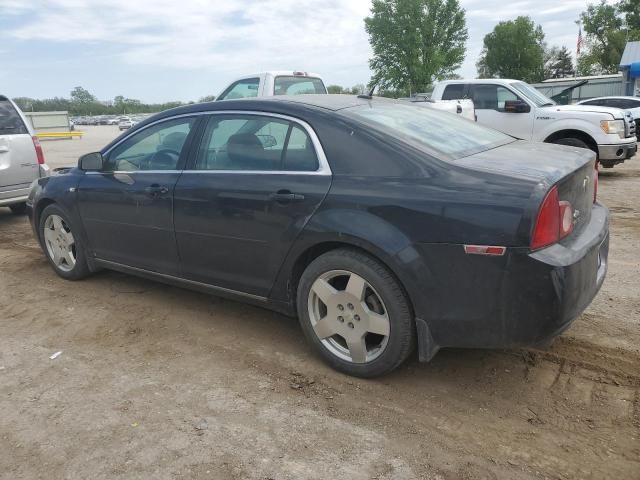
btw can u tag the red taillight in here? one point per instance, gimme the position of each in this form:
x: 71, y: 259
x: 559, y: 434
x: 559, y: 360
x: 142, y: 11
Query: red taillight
x: 595, y: 184
x: 554, y: 222
x: 39, y: 152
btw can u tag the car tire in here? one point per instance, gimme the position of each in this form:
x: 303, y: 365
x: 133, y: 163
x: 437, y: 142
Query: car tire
x: 62, y: 244
x: 364, y: 301
x: 608, y: 163
x: 18, y: 208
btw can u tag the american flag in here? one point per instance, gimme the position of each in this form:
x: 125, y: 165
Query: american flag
x: 580, y: 41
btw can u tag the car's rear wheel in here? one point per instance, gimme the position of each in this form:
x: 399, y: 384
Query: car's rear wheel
x: 62, y: 244
x: 18, y: 208
x: 355, y: 313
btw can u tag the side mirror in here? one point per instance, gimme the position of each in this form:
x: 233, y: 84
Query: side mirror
x: 91, y: 162
x: 516, y: 106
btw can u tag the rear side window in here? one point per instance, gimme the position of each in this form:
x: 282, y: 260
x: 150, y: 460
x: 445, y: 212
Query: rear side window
x: 292, y: 85
x: 454, y: 91
x: 255, y: 143
x: 438, y: 132
x: 10, y: 121
x: 245, y: 88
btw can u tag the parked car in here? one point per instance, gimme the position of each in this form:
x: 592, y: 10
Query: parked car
x: 631, y: 104
x: 125, y: 123
x: 518, y: 109
x: 269, y: 84
x: 21, y: 157
x: 379, y: 224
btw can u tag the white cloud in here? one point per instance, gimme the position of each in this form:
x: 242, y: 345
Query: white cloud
x: 220, y: 39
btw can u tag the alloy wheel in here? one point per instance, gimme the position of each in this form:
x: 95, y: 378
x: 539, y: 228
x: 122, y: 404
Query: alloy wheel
x: 348, y: 316
x: 61, y: 246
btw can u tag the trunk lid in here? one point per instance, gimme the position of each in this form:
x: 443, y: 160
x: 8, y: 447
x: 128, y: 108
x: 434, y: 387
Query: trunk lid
x: 18, y: 160
x: 545, y: 165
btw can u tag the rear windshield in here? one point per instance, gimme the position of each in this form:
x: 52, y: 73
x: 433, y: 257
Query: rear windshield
x: 442, y: 132
x: 10, y: 121
x: 295, y: 85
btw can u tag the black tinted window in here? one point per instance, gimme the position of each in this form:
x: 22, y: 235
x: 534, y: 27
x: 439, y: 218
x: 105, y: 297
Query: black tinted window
x: 453, y: 92
x: 10, y: 121
x: 250, y: 142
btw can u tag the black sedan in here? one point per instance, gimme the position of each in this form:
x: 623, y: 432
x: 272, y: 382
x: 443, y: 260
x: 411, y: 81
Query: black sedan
x: 382, y: 226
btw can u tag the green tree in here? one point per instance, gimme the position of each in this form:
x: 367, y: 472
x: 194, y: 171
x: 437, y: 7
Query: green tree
x: 630, y: 9
x: 415, y: 42
x: 605, y: 39
x: 514, y: 49
x: 80, y: 95
x: 560, y: 64
x: 334, y: 89
x: 207, y: 98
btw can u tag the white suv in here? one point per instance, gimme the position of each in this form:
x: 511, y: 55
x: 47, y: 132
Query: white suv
x: 518, y: 109
x: 21, y: 157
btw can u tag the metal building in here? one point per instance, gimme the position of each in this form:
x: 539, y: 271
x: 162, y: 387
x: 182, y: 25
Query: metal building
x: 596, y: 86
x: 630, y: 67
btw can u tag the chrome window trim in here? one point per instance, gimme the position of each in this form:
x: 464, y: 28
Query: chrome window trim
x: 323, y: 163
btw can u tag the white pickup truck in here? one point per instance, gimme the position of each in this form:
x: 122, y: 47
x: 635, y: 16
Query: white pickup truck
x: 269, y: 84
x: 518, y: 109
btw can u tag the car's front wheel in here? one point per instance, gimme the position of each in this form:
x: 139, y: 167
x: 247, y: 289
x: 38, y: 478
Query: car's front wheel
x: 355, y: 313
x: 62, y: 244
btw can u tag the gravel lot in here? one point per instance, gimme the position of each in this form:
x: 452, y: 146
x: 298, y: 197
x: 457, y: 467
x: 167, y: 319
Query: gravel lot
x: 159, y: 382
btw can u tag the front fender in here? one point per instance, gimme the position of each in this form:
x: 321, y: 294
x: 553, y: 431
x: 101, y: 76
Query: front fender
x: 543, y: 129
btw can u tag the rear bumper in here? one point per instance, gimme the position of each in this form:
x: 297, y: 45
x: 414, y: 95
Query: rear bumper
x: 618, y: 152
x: 523, y: 298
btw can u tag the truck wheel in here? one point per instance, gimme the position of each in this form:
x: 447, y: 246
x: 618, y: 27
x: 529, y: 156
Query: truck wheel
x: 18, y: 208
x: 572, y: 142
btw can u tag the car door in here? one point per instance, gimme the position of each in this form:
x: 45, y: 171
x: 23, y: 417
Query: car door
x: 489, y: 101
x: 253, y: 184
x: 18, y: 160
x: 127, y: 208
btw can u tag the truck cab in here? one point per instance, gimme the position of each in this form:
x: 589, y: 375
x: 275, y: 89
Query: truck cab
x: 518, y: 109
x: 269, y: 84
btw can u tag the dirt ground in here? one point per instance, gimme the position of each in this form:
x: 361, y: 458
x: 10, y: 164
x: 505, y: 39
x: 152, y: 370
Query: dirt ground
x: 159, y: 382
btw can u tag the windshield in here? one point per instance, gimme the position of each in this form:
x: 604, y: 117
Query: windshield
x: 298, y: 85
x: 533, y: 94
x: 439, y: 131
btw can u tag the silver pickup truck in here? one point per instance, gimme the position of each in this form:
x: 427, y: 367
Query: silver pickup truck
x: 21, y: 157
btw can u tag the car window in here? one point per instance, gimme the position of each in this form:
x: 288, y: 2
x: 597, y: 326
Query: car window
x: 454, y: 91
x: 155, y: 148
x: 256, y: 143
x: 10, y: 121
x: 292, y: 85
x: 592, y: 102
x: 245, y: 88
x: 491, y: 97
x: 439, y: 132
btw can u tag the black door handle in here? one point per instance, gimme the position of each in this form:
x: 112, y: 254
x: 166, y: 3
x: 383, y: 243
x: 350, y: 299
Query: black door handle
x: 285, y: 196
x: 156, y: 190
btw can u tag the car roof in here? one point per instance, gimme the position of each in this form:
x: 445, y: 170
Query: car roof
x: 290, y: 102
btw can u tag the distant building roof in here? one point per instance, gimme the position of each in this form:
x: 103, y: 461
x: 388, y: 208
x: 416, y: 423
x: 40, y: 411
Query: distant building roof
x: 574, y: 79
x: 631, y: 54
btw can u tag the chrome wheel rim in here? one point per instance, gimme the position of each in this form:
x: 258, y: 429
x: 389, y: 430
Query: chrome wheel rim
x: 61, y: 246
x: 348, y: 316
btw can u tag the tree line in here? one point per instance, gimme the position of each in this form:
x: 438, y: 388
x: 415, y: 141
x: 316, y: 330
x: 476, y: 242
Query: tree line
x: 82, y: 103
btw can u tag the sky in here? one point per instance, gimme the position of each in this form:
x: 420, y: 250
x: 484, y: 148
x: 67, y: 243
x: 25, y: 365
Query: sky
x: 161, y: 50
